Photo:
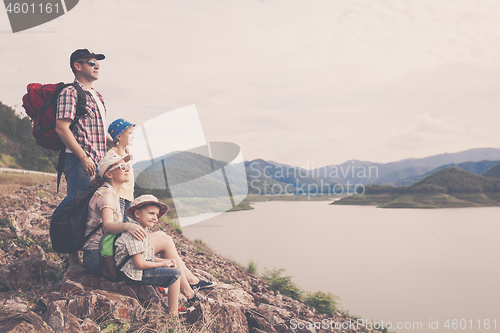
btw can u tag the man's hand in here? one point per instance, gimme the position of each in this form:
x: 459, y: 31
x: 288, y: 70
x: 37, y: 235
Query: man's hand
x: 88, y: 165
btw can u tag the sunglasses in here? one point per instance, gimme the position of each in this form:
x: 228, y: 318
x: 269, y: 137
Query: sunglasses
x: 91, y: 63
x: 121, y: 166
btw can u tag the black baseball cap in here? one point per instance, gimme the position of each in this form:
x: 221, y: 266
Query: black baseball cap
x: 84, y: 53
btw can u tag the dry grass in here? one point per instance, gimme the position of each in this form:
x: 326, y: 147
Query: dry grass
x: 10, y: 182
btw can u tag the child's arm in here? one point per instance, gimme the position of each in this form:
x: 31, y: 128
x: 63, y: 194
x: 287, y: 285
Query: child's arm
x: 140, y: 263
x: 133, y: 229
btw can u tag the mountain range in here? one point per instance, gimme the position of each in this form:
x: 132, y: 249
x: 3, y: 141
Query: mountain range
x: 18, y: 149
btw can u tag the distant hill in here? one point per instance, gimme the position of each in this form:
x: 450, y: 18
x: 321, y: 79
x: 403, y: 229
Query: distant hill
x: 450, y: 187
x: 477, y: 168
x: 18, y: 148
x: 455, y: 180
x: 408, y: 173
x: 493, y: 172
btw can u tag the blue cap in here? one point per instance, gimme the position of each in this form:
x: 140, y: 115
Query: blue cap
x: 117, y: 127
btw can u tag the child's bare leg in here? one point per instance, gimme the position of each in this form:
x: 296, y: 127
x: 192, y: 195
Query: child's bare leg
x: 164, y: 245
x: 173, y: 297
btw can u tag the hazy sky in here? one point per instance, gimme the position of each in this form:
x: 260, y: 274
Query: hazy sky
x: 286, y: 80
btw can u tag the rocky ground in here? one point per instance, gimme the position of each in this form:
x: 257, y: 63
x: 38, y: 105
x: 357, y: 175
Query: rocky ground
x: 39, y: 294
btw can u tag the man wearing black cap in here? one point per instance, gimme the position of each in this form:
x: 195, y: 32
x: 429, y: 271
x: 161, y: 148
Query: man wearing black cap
x: 86, y: 140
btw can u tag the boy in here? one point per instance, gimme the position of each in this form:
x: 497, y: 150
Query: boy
x: 144, y: 268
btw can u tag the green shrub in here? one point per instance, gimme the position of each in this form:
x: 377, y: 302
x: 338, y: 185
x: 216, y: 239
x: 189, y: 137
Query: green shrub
x: 252, y: 267
x: 283, y: 284
x: 173, y: 224
x: 24, y: 242
x: 322, y: 302
x: 7, y: 223
x: 202, y: 247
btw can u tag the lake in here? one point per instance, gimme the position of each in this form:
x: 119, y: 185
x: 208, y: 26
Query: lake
x: 409, y: 267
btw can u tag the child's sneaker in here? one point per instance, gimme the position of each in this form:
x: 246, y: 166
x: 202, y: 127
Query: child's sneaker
x: 162, y: 291
x: 183, y: 310
x: 198, y: 297
x: 202, y: 284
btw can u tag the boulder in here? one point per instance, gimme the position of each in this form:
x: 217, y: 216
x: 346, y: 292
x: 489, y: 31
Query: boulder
x: 83, y: 306
x: 15, y: 305
x: 258, y: 323
x: 216, y: 317
x: 77, y: 282
x: 46, y: 299
x: 27, y: 322
x: 24, y: 273
x: 117, y: 307
x: 226, y: 293
x: 88, y: 326
x: 273, y: 314
x: 60, y: 319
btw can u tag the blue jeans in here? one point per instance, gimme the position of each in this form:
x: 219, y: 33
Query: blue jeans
x: 124, y: 204
x: 76, y: 176
x: 159, y: 276
x: 91, y: 261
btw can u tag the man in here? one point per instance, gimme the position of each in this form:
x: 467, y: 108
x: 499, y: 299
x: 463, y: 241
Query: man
x: 86, y: 141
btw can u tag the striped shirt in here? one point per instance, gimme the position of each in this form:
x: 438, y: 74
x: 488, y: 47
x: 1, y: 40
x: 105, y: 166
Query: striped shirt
x: 89, y: 131
x: 127, y: 245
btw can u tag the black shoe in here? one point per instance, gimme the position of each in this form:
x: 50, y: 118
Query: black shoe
x: 202, y: 284
x: 197, y: 298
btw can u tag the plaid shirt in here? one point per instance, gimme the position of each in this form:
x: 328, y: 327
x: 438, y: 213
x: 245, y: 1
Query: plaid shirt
x: 127, y: 245
x: 89, y: 131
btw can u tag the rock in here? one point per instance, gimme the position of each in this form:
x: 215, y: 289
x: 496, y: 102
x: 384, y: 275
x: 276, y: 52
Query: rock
x: 118, y: 307
x: 71, y: 288
x: 76, y: 283
x: 257, y: 323
x: 226, y: 293
x: 15, y: 305
x: 28, y: 322
x: 85, y: 280
x: 273, y: 314
x: 10, y: 247
x: 203, y: 274
x: 145, y: 294
x: 246, y: 286
x: 24, y: 273
x: 282, y: 328
x: 88, y: 326
x: 83, y: 306
x: 216, y: 317
x: 46, y: 299
x: 60, y: 319
x: 262, y: 298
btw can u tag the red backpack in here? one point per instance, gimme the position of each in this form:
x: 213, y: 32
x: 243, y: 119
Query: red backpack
x: 40, y: 103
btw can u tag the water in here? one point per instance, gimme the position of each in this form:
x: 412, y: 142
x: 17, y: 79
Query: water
x: 404, y: 266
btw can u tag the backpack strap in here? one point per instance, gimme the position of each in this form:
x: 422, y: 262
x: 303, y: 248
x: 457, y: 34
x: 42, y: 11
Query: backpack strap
x: 81, y: 110
x: 91, y: 233
x: 124, y: 261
